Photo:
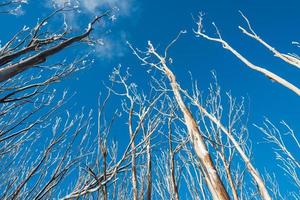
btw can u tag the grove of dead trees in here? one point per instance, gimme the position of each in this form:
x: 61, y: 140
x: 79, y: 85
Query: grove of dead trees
x: 182, y: 143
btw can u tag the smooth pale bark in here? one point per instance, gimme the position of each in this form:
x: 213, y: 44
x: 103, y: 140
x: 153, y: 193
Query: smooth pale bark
x: 272, y: 76
x: 174, y: 186
x: 212, y: 178
x: 149, y: 171
x: 133, y: 156
x: 251, y: 169
x: 292, y: 60
x: 254, y: 173
x: 229, y: 178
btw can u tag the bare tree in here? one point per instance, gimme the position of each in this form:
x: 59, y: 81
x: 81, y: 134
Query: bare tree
x: 38, y: 147
x: 176, y: 143
x: 291, y: 59
x: 143, y: 121
x: 185, y: 166
x: 202, y: 151
x: 212, y: 178
x: 234, y: 143
x: 287, y: 160
x: 285, y: 145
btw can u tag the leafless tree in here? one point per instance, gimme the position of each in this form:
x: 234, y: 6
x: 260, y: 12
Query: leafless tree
x: 142, y: 115
x: 29, y: 104
x: 208, y: 167
x: 38, y: 146
x: 204, y: 150
x: 176, y: 143
x: 291, y: 59
x: 226, y: 143
x: 285, y: 145
x: 286, y: 141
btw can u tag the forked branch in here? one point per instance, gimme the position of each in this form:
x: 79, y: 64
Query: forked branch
x: 272, y: 76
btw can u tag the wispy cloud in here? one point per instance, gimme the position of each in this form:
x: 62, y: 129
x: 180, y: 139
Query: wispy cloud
x: 113, y: 43
x: 113, y: 46
x: 122, y: 7
x: 13, y: 7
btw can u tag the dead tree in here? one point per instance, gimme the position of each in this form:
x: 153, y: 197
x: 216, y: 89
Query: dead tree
x: 285, y: 144
x: 143, y: 119
x: 37, y: 145
x: 288, y: 58
x: 212, y: 178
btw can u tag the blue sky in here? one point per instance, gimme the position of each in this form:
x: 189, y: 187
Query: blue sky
x: 159, y: 21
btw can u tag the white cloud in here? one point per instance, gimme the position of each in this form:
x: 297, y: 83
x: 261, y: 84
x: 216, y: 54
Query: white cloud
x: 121, y: 7
x: 61, y: 3
x: 112, y: 46
x: 113, y: 42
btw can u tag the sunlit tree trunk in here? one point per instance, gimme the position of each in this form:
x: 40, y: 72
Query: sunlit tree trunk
x: 212, y: 178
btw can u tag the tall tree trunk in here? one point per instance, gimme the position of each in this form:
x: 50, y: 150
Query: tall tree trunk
x: 149, y: 172
x: 213, y: 180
